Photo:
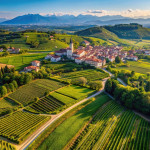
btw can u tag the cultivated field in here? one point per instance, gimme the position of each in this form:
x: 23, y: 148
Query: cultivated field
x: 89, y: 74
x: 113, y: 128
x: 21, y: 61
x: 68, y: 129
x: 6, y: 146
x: 75, y: 92
x: 140, y: 66
x: 46, y: 105
x: 29, y: 92
x: 18, y: 125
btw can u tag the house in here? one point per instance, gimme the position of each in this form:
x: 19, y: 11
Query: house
x: 79, y: 53
x: 30, y: 68
x: 111, y: 58
x: 48, y: 57
x: 132, y: 57
x: 94, y: 62
x: 13, y: 50
x: 79, y: 60
x: 147, y: 52
x: 36, y: 63
x: 55, y: 58
x: 86, y: 42
x: 1, y: 49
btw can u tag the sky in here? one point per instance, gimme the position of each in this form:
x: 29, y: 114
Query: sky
x: 128, y: 8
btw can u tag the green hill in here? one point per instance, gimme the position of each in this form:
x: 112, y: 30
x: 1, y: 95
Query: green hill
x: 130, y: 31
x: 102, y: 33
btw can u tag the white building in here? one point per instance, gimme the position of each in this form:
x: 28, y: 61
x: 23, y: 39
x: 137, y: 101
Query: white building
x: 36, y: 63
x: 70, y: 50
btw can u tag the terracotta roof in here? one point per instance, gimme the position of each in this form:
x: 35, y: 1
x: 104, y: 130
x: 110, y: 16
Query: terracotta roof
x: 31, y: 67
x: 36, y: 61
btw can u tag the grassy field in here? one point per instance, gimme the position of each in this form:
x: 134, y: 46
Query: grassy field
x: 65, y: 99
x: 67, y: 130
x: 29, y: 92
x: 140, y: 66
x: 89, y: 74
x: 33, y: 36
x: 76, y: 92
x: 21, y: 61
x: 18, y: 125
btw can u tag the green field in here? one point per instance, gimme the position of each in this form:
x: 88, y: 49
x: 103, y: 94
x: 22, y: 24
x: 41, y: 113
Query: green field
x: 75, y: 92
x: 18, y: 125
x: 140, y: 66
x: 68, y: 129
x: 33, y: 36
x: 89, y: 74
x: 6, y: 146
x: 29, y: 92
x: 65, y: 99
x: 21, y: 61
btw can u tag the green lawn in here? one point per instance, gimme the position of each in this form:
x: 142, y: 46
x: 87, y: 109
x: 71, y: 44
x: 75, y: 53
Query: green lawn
x: 76, y: 92
x: 139, y: 66
x: 68, y: 129
x: 65, y: 99
x: 21, y: 61
x: 7, y: 103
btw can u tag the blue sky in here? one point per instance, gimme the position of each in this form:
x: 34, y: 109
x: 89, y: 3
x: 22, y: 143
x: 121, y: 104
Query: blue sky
x: 11, y: 8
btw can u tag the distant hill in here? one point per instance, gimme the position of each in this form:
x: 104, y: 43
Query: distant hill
x: 2, y: 19
x: 125, y: 31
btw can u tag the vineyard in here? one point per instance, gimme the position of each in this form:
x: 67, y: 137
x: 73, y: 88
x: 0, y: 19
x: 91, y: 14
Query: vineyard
x: 114, y: 128
x: 46, y: 105
x: 89, y: 74
x: 6, y: 146
x: 18, y: 125
x: 29, y: 92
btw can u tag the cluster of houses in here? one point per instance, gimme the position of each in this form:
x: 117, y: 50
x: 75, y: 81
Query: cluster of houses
x: 95, y: 56
x: 35, y: 66
x: 13, y: 50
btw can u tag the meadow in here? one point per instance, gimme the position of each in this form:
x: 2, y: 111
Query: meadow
x: 89, y: 74
x: 6, y: 146
x: 68, y: 129
x: 140, y: 66
x: 22, y: 60
x: 18, y: 125
x: 27, y: 93
x: 75, y: 92
x: 49, y: 45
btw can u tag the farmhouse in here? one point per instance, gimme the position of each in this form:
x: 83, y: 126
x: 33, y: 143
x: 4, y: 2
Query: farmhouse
x: 30, y: 68
x: 132, y: 57
x: 86, y: 42
x: 13, y: 50
x: 36, y: 63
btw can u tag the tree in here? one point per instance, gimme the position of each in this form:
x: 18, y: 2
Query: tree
x: 82, y: 81
x: 117, y: 59
x: 15, y: 84
x: 147, y: 88
x: 96, y: 85
x: 3, y: 91
x: 132, y: 73
x: 108, y: 86
x: 11, y: 86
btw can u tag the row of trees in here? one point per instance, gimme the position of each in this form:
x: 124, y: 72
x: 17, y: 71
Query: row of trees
x: 82, y: 81
x: 132, y: 98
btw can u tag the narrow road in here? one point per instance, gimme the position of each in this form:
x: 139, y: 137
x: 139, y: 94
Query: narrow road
x: 122, y: 82
x: 31, y: 138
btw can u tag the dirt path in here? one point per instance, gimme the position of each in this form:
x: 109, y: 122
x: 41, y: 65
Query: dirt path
x: 31, y: 138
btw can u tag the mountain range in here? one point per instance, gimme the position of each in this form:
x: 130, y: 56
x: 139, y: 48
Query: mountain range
x: 36, y: 19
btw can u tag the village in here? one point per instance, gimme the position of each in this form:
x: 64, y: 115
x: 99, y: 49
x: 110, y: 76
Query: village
x: 96, y: 56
